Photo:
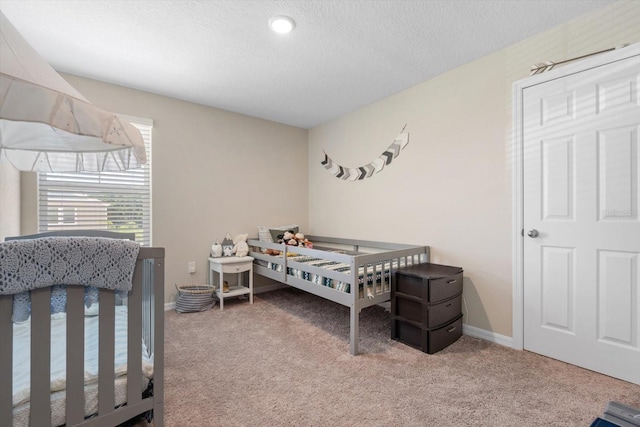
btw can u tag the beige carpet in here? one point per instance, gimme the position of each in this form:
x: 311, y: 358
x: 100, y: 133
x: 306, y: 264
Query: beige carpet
x: 284, y: 361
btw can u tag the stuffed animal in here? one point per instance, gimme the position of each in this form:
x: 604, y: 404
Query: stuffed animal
x: 303, y: 241
x: 216, y: 250
x: 291, y: 239
x: 240, y: 246
x: 288, y: 235
x: 299, y: 240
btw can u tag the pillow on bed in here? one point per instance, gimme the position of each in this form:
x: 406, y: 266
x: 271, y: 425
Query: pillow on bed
x: 264, y: 232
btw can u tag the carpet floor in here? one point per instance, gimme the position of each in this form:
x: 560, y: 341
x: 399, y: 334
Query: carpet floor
x: 284, y: 361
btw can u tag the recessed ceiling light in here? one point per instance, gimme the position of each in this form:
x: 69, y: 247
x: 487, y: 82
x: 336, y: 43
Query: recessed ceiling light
x: 281, y: 24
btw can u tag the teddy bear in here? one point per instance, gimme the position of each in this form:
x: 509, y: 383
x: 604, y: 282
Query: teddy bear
x: 240, y: 246
x: 303, y: 241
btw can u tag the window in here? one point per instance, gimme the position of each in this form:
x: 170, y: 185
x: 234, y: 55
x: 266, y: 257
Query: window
x: 117, y: 201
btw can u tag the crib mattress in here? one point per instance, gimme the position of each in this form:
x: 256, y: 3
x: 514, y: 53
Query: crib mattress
x: 58, y: 403
x: 22, y: 368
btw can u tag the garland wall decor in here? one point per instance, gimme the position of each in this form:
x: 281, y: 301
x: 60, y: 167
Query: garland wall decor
x: 367, y: 171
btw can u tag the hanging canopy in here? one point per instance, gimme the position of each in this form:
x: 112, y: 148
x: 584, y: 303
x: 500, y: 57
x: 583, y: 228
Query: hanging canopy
x: 48, y: 126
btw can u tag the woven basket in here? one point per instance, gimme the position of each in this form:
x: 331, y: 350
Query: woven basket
x: 194, y: 298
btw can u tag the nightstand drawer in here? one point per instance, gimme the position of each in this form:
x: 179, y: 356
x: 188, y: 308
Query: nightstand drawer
x: 236, y: 268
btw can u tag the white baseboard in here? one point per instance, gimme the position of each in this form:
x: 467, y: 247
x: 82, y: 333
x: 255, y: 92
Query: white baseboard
x: 483, y: 334
x: 169, y: 306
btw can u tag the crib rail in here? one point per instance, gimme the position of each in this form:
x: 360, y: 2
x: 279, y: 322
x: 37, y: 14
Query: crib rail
x: 6, y: 361
x: 145, y: 321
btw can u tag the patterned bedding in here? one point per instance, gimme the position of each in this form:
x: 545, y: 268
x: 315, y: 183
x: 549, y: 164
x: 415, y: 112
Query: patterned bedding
x: 380, y: 272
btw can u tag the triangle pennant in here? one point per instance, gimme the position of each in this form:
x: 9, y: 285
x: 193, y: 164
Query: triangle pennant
x: 370, y: 169
x: 388, y: 155
x: 363, y: 173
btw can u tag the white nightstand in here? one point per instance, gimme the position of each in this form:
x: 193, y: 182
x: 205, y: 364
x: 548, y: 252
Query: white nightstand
x: 236, y: 265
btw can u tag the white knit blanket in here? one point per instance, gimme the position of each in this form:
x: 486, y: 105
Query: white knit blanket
x: 89, y: 261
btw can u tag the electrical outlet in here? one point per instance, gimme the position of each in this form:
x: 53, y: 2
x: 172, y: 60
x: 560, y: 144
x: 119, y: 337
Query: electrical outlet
x: 191, y: 267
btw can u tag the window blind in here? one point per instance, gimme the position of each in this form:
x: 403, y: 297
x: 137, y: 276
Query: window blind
x: 116, y: 201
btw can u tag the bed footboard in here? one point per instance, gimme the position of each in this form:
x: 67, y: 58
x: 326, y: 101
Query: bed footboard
x: 145, y: 324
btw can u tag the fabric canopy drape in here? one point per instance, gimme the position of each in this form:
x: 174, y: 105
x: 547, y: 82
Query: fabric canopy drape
x: 48, y: 126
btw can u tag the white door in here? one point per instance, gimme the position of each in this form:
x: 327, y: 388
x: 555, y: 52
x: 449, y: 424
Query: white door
x: 581, y: 220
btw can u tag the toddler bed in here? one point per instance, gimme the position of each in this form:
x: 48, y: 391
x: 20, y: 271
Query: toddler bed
x: 354, y: 273
x: 80, y: 355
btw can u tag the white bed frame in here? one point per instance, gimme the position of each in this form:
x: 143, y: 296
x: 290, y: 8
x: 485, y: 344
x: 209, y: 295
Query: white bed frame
x: 145, y: 322
x: 358, y: 254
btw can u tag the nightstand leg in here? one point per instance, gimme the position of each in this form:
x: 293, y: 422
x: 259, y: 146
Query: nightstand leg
x: 251, y: 285
x: 221, y: 287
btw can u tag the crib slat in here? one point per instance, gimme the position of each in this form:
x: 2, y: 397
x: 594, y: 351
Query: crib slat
x: 75, y: 355
x: 134, y: 339
x: 158, y: 342
x: 106, y: 348
x: 6, y: 360
x: 40, y: 411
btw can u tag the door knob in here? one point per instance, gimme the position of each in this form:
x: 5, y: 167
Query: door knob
x: 533, y: 233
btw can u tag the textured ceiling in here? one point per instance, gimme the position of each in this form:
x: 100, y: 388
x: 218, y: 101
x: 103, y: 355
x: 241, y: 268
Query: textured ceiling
x: 342, y: 55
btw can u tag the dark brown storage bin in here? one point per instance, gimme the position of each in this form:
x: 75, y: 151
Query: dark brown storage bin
x: 426, y: 306
x: 428, y: 341
x: 427, y: 315
x: 428, y: 282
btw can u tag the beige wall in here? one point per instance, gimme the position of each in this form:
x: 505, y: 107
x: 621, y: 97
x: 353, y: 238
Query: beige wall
x: 450, y: 188
x: 213, y: 172
x: 9, y: 201
x: 216, y: 171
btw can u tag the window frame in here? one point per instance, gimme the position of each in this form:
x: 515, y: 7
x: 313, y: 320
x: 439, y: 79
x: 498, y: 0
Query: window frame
x: 112, y: 179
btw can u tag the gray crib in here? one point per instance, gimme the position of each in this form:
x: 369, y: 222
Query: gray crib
x: 144, y: 324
